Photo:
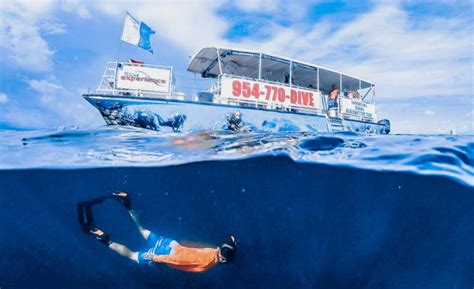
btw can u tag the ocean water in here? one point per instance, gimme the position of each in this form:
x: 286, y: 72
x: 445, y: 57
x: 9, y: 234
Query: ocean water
x: 339, y: 210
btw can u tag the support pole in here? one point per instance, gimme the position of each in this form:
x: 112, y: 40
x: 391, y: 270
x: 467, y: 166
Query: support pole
x: 317, y: 78
x: 219, y: 60
x: 194, y: 87
x: 291, y: 73
x: 373, y: 94
x: 340, y: 83
x: 339, y: 96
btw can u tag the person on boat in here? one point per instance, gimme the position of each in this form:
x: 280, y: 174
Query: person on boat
x: 333, y: 94
x: 159, y: 249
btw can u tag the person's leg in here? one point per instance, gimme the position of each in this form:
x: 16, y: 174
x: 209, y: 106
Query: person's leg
x: 124, y: 251
x: 102, y: 237
x: 125, y: 200
x: 144, y: 232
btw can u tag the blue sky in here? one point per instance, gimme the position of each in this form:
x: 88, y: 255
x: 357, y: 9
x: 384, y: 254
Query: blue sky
x: 419, y: 53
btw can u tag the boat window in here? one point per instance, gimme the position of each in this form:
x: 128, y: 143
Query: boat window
x: 327, y: 79
x: 365, y: 85
x: 240, y: 63
x: 355, y: 88
x: 350, y: 86
x: 304, y: 75
x: 366, y: 91
x: 275, y: 69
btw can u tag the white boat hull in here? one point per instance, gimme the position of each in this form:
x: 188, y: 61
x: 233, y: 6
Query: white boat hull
x: 185, y: 116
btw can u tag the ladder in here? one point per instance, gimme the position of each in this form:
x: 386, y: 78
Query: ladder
x: 337, y: 124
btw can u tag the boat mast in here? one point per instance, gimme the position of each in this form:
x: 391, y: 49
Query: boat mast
x: 120, y: 41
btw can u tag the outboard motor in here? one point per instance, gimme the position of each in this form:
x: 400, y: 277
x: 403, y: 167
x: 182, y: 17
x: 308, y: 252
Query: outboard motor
x: 386, y: 125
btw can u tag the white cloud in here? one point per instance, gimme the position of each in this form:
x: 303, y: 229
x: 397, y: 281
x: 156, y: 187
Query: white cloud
x: 3, y: 98
x: 429, y: 112
x: 44, y: 86
x: 52, y: 28
x: 27, y: 48
x: 20, y: 34
x: 47, y: 90
x: 404, y: 56
x: 56, y: 106
x: 188, y: 24
x: 27, y: 9
x: 24, y: 118
x: 255, y: 6
x: 198, y: 23
x: 289, y: 10
x: 76, y: 6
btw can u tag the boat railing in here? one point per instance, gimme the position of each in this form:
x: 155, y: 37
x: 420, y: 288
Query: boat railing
x: 271, y: 105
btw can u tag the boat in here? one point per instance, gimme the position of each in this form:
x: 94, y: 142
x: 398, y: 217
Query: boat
x: 250, y: 91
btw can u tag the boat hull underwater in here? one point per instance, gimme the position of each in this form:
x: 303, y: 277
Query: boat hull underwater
x: 170, y: 115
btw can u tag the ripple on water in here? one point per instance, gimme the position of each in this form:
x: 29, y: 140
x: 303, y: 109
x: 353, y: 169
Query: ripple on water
x: 441, y: 155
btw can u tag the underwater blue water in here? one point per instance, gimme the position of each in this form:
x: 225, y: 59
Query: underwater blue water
x: 337, y: 210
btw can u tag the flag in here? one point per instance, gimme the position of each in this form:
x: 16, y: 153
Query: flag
x: 134, y: 61
x: 137, y: 33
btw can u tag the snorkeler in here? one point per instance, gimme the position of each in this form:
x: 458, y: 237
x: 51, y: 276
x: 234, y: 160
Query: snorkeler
x: 160, y: 249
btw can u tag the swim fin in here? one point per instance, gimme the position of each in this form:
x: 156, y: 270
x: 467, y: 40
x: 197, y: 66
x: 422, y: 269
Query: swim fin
x: 84, y: 215
x: 100, y: 235
x: 84, y: 209
x: 124, y: 199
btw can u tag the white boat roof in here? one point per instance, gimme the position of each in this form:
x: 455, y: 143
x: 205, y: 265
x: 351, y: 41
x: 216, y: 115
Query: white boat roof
x: 245, y: 62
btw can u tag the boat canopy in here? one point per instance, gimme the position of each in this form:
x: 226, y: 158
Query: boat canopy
x: 214, y: 61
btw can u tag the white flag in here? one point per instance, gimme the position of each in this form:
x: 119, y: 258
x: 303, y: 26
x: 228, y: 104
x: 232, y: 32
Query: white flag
x: 137, y: 33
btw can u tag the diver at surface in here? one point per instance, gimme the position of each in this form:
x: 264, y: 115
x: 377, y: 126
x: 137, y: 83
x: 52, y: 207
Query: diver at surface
x: 159, y: 249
